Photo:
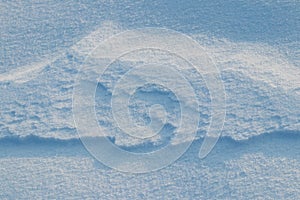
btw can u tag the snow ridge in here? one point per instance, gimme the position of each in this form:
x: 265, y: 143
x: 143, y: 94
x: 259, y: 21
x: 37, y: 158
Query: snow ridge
x: 262, y: 88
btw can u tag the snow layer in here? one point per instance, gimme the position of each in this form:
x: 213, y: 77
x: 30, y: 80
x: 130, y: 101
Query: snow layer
x: 261, y: 168
x: 262, y: 90
x: 255, y: 45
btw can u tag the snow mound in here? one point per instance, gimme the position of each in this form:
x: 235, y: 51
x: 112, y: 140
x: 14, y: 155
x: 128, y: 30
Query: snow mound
x: 262, y: 88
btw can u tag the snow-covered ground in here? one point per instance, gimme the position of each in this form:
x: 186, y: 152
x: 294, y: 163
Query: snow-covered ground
x: 255, y: 46
x: 266, y: 166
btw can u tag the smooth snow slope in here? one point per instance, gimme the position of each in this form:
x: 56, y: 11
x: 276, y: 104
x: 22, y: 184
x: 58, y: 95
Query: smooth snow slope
x: 254, y: 44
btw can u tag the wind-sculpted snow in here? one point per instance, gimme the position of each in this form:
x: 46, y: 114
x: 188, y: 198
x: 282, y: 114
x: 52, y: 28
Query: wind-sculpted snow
x: 262, y: 90
x: 44, y: 46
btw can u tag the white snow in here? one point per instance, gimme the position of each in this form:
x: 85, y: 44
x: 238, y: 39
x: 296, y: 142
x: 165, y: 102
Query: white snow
x: 255, y: 46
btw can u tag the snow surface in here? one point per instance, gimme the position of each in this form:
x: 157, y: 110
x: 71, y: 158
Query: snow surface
x: 262, y: 89
x: 254, y: 44
x: 260, y: 168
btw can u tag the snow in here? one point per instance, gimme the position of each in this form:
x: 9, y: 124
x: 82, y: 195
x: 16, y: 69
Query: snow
x: 255, y: 46
x: 260, y: 83
x: 260, y: 168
